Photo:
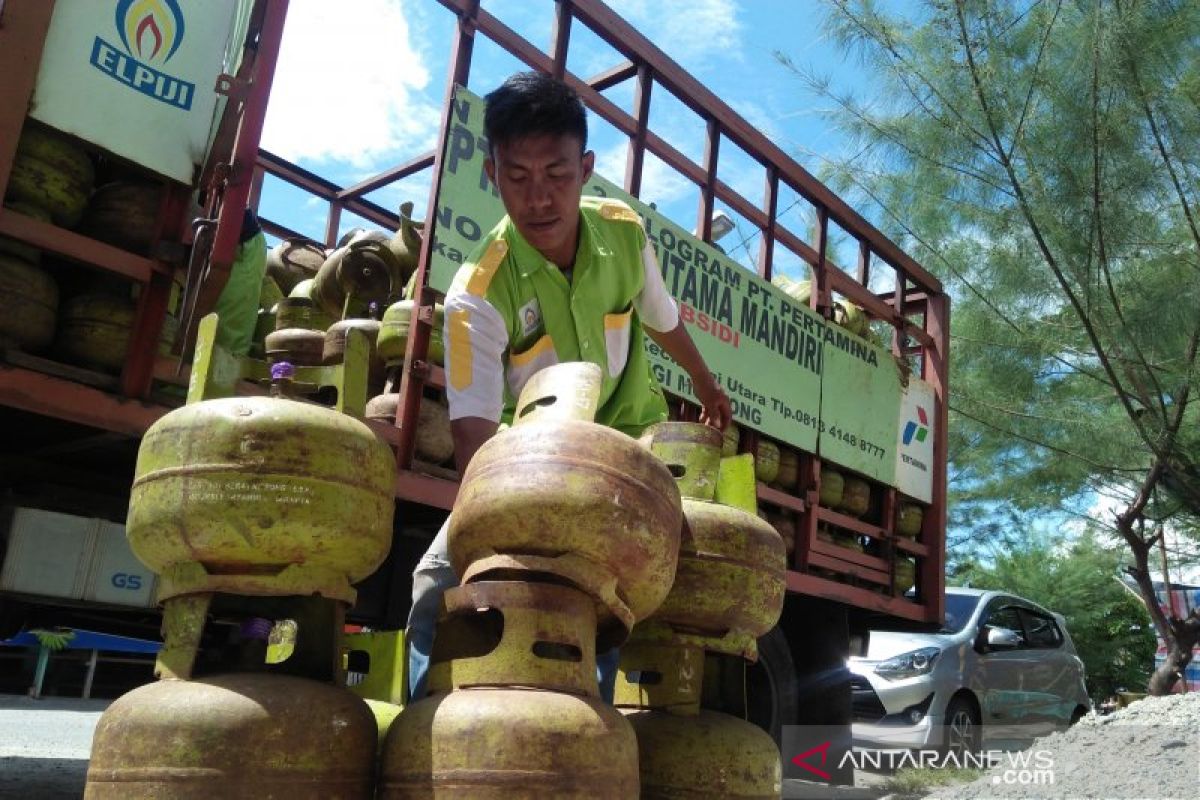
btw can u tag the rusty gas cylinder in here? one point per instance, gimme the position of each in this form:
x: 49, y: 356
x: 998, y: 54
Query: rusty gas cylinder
x: 319, y: 319
x: 334, y: 350
x: 359, y: 273
x: 708, y: 755
x: 261, y: 495
x: 29, y: 297
x: 240, y: 736
x: 393, y: 335
x: 433, y: 441
x: 95, y: 330
x: 294, y: 260
x: 514, y: 709
x: 294, y: 339
x: 731, y: 577
x: 556, y: 494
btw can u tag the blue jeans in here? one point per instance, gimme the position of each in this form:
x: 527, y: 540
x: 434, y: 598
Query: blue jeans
x: 431, y: 578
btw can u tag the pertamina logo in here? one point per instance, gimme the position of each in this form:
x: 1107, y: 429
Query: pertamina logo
x: 917, y: 430
x: 150, y: 32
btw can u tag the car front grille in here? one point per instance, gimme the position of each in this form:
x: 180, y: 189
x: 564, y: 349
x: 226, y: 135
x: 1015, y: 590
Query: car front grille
x: 864, y: 703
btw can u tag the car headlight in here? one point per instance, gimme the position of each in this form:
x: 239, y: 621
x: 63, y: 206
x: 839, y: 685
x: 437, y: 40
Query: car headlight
x: 908, y: 665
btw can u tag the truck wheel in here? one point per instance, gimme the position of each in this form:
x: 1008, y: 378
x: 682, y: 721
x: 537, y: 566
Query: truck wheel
x: 772, y: 690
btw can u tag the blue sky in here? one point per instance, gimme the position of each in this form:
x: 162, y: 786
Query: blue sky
x: 360, y: 83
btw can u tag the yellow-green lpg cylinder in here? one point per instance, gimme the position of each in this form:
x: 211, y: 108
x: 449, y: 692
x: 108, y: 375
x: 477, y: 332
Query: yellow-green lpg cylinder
x: 261, y: 495
x: 500, y: 743
x: 731, y: 576
x: 515, y: 711
x: 393, y: 333
x: 236, y: 737
x: 557, y: 494
x: 708, y: 755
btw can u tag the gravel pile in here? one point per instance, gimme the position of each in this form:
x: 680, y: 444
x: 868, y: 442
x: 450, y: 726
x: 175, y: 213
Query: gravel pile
x: 1149, y: 750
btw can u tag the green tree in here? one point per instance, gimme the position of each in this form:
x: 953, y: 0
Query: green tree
x: 1043, y: 157
x: 1110, y: 627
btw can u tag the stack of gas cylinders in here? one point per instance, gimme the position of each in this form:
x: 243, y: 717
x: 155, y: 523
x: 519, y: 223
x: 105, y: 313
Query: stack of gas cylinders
x: 565, y: 534
x: 257, y: 513
x: 728, y: 590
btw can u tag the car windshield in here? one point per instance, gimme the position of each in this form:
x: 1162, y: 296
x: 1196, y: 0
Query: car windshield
x: 959, y: 608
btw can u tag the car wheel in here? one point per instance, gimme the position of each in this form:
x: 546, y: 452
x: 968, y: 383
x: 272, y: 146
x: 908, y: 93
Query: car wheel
x: 963, y: 735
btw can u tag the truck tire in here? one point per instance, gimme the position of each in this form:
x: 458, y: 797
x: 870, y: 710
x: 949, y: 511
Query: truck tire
x: 772, y: 689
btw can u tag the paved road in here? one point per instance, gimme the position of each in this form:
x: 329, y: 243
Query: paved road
x: 44, y: 746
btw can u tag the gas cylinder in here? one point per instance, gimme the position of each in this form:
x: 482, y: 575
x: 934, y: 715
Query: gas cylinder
x: 319, y: 319
x: 52, y: 173
x: 515, y: 710
x: 261, y: 495
x: 833, y: 485
x: 294, y: 339
x: 685, y: 750
x: 294, y: 260
x: 433, y: 442
x: 25, y: 252
x: 731, y: 577
x: 766, y: 461
x: 906, y: 574
x: 909, y: 520
x: 362, y: 272
x: 856, y: 497
x: 730, y: 440
x: 557, y: 494
x: 789, y: 469
x: 123, y: 214
x: 29, y: 297
x: 334, y: 348
x: 708, y: 755
x: 243, y: 736
x: 393, y: 335
x: 406, y: 243
x: 95, y: 330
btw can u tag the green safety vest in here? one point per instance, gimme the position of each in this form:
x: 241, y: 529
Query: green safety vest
x: 589, y: 319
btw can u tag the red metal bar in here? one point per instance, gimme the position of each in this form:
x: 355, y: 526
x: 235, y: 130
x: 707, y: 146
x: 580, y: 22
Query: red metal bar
x: 411, y: 380
x: 138, y: 373
x: 863, y: 598
x: 613, y: 76
x: 932, y: 577
x: 49, y: 396
x: 766, y: 250
x: 326, y: 190
x: 561, y: 39
x: 53, y: 239
x: 712, y: 147
x: 333, y: 223
x: 21, y: 40
x: 820, y: 298
x: 637, y: 144
x: 399, y: 172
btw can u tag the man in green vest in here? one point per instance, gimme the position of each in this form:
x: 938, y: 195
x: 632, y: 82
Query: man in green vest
x: 561, y: 278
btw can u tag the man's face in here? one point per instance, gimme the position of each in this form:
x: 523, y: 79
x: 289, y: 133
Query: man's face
x: 540, y: 179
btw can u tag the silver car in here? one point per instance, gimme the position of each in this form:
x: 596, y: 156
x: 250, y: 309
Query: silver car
x: 1001, y: 669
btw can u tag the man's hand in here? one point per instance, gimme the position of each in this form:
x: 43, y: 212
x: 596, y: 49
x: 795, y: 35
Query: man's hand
x: 469, y: 435
x: 716, y: 410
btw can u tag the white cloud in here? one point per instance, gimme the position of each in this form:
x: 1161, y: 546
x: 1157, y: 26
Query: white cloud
x: 689, y: 31
x: 348, y: 86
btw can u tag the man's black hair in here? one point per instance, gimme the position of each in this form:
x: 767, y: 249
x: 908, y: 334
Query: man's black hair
x: 533, y: 103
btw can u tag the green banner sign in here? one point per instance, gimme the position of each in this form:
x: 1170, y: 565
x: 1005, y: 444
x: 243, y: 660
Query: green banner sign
x: 789, y: 373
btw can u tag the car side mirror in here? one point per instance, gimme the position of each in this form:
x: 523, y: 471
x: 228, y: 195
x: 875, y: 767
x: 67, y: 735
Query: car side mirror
x: 1002, y: 639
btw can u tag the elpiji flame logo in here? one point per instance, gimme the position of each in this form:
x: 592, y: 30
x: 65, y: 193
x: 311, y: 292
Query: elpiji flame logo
x: 151, y: 30
x: 917, y: 429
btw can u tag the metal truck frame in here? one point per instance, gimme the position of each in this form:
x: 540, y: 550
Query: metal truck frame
x: 824, y: 611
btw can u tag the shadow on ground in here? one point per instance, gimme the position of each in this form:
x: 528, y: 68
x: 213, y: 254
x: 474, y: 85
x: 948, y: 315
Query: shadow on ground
x: 42, y: 778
